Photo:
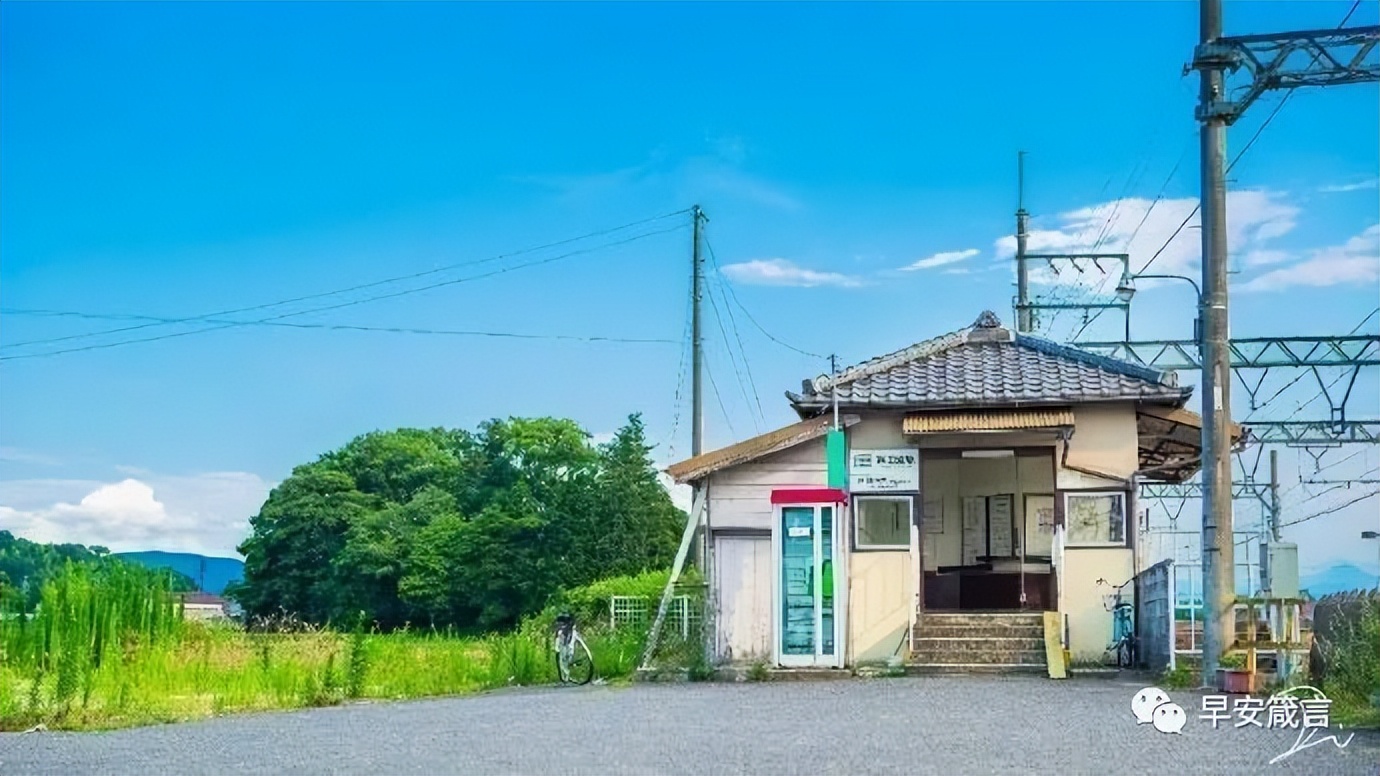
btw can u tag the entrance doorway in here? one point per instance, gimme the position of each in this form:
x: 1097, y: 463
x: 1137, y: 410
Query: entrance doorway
x: 807, y: 621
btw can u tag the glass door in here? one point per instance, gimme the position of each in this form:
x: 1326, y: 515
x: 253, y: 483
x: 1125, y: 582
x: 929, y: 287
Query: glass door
x: 808, y: 622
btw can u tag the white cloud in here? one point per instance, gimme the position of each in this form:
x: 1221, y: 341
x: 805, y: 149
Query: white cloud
x: 20, y: 455
x: 782, y: 272
x: 1355, y: 261
x: 206, y: 513
x: 1256, y: 217
x: 1343, y: 188
x: 602, y: 438
x: 1265, y: 257
x: 942, y: 259
x: 957, y: 271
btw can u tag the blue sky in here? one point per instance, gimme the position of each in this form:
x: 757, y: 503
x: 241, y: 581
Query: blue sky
x: 180, y: 159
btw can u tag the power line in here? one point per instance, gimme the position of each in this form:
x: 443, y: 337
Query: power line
x: 718, y: 283
x: 670, y: 440
x: 360, y: 287
x: 365, y: 300
x: 353, y: 327
x: 1331, y: 510
x: 728, y: 347
x: 1183, y: 154
x: 727, y: 420
x: 748, y: 313
x: 1278, y: 107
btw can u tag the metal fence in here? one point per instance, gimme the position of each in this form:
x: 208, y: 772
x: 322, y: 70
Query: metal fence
x: 1155, y: 616
x: 682, y: 614
x: 1182, y: 548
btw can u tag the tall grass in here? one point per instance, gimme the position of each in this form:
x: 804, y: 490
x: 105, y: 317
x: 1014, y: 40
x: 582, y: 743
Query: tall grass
x: 111, y: 649
x: 1352, y: 657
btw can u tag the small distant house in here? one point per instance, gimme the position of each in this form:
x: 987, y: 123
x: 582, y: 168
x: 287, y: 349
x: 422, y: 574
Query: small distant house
x: 205, y: 606
x: 981, y: 473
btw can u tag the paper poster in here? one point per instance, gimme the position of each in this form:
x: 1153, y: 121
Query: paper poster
x: 1001, y: 541
x: 974, y: 529
x: 934, y: 516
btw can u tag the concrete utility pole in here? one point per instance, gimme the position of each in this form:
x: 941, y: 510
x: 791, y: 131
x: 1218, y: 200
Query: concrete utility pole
x: 1023, y: 323
x: 1219, y: 578
x: 696, y: 336
x: 1340, y: 56
x: 1274, y: 495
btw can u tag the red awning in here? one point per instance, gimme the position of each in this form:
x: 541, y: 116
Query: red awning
x: 809, y: 496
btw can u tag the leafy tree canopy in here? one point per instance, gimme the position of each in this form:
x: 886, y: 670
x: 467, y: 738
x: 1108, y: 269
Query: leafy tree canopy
x: 451, y: 528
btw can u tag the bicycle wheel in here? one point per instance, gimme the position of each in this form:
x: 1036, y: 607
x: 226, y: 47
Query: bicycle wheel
x: 562, y: 661
x: 579, y: 665
x: 1125, y: 658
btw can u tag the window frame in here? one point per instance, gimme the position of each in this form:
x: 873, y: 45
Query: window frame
x: 856, y: 509
x: 1125, y: 500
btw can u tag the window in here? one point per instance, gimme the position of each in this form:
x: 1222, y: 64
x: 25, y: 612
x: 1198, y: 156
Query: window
x: 881, y: 523
x: 1095, y: 519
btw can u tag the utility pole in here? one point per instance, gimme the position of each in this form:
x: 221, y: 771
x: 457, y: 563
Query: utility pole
x: 1218, y: 553
x: 1340, y: 56
x: 833, y: 386
x: 697, y: 218
x: 1023, y: 323
x: 696, y: 336
x: 1274, y: 495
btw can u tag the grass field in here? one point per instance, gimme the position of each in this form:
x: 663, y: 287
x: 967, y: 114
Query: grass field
x: 113, y: 651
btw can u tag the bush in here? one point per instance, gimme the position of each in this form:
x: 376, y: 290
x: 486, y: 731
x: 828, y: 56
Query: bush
x: 1351, y: 654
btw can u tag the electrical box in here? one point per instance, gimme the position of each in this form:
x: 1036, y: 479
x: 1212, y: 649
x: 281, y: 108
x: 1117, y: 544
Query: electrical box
x: 1279, y: 569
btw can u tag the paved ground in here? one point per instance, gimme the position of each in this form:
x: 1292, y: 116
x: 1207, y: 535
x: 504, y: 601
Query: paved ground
x: 920, y: 725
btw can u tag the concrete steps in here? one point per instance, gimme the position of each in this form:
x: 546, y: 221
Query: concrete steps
x: 978, y: 642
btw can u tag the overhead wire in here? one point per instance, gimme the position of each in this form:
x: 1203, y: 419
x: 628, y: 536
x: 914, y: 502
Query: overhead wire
x: 1159, y: 196
x: 362, y: 286
x: 733, y: 360
x: 342, y: 305
x: 719, y: 397
x: 734, y: 295
x: 1331, y: 510
x: 357, y: 327
x: 1259, y: 130
x: 718, y: 282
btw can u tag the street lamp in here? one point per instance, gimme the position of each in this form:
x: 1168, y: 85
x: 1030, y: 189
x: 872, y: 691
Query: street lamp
x: 1127, y: 289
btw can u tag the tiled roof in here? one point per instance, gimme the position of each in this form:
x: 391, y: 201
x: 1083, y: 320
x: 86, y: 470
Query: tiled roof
x: 986, y: 365
x: 695, y: 468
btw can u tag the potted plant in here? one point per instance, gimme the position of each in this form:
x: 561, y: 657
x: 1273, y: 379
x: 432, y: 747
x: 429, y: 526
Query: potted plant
x: 1232, y: 676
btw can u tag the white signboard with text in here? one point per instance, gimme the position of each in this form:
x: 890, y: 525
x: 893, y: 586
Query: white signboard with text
x: 884, y: 471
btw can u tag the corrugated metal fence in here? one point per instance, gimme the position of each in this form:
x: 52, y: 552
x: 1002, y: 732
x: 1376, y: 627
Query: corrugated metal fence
x: 1155, y: 616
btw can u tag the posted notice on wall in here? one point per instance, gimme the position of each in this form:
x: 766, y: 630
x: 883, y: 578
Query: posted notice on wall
x: 884, y: 471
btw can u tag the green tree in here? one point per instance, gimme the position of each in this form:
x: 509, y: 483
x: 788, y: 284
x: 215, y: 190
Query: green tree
x: 458, y: 529
x: 296, y: 537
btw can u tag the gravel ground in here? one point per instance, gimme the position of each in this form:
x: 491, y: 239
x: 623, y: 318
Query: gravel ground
x: 946, y: 725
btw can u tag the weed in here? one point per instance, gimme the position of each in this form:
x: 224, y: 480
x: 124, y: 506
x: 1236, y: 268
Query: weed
x: 758, y: 672
x: 1182, y: 677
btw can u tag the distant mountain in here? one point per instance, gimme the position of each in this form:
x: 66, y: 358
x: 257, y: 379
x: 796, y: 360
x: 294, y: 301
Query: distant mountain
x: 1336, y: 579
x: 210, y: 574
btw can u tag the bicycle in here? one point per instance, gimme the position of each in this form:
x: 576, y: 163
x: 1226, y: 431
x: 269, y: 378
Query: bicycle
x: 1123, y: 626
x: 574, y: 663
